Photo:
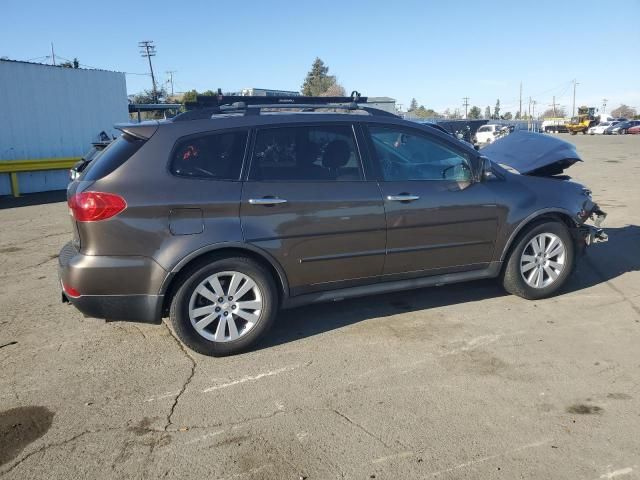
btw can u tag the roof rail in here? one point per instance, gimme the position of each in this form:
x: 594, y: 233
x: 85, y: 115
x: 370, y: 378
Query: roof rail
x: 206, y: 106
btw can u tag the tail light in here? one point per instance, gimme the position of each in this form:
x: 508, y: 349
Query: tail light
x: 70, y: 291
x: 95, y: 206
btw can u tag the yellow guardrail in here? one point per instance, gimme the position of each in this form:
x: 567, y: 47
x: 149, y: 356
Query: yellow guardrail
x: 13, y: 167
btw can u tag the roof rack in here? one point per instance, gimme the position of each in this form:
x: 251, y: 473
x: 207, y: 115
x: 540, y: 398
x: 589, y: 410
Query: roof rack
x: 206, y: 106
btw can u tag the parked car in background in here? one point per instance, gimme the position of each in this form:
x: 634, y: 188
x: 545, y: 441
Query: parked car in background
x: 621, y: 128
x: 223, y: 215
x: 634, y: 130
x: 488, y: 133
x: 601, y: 127
x: 96, y: 148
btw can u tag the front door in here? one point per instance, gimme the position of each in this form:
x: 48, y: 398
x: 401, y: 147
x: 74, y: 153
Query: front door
x: 307, y: 203
x: 438, y: 218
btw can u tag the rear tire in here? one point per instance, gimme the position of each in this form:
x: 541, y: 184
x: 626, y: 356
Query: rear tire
x: 209, y: 320
x: 525, y: 264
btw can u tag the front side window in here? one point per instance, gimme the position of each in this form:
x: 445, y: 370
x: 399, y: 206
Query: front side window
x: 405, y: 155
x: 215, y: 156
x: 309, y: 153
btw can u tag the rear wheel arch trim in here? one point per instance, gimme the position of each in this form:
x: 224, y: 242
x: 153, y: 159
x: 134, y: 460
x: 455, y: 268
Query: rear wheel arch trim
x: 250, y: 251
x: 529, y: 220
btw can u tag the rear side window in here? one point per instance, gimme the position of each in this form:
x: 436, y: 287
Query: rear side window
x: 309, y: 153
x: 116, y: 153
x: 215, y: 156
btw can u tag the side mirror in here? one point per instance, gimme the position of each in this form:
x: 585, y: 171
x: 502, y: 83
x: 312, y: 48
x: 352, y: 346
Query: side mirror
x: 485, y: 169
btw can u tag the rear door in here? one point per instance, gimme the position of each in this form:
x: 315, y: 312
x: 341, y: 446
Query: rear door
x: 307, y: 203
x: 438, y: 218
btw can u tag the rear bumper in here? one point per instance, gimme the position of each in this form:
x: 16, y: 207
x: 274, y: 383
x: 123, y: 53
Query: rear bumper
x: 129, y: 308
x: 112, y: 287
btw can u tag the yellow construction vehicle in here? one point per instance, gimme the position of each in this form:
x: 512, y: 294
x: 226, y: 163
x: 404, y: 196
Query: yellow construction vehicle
x: 586, y: 118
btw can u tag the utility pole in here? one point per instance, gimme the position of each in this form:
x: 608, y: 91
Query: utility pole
x: 553, y: 105
x: 573, y: 110
x: 520, y: 108
x: 604, y: 105
x: 465, y: 103
x: 53, y: 55
x: 148, y: 50
x: 170, y: 73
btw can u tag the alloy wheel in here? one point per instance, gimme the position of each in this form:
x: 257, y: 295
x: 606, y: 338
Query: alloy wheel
x: 225, y: 306
x: 542, y: 260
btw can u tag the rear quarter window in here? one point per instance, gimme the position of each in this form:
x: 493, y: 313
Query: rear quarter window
x: 112, y: 157
x: 215, y: 156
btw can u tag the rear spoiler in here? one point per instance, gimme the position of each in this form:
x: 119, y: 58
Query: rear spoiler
x: 143, y: 130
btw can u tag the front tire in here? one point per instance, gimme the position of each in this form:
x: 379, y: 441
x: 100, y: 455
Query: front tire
x: 540, y: 262
x: 223, y: 307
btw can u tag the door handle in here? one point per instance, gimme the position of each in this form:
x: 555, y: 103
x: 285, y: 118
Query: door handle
x: 266, y: 201
x: 403, y: 197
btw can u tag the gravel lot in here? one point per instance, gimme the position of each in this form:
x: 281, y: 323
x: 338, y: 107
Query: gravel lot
x: 452, y: 382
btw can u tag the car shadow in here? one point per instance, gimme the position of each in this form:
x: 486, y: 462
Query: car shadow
x: 601, y: 263
x: 606, y: 261
x: 40, y: 198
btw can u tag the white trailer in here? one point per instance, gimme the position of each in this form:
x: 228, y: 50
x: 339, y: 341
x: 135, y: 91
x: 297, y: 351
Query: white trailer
x: 51, y: 112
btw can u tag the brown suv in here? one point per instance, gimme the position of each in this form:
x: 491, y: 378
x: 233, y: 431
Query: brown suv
x: 239, y: 207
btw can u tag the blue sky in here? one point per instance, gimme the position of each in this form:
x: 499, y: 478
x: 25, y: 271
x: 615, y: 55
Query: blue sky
x: 435, y: 51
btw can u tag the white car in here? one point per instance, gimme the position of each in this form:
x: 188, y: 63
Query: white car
x: 601, y: 127
x: 488, y: 133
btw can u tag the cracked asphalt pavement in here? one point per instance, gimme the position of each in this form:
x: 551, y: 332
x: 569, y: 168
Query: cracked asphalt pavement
x: 461, y: 381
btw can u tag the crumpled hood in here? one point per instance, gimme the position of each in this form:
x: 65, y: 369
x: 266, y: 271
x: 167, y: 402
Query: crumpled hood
x: 533, y: 153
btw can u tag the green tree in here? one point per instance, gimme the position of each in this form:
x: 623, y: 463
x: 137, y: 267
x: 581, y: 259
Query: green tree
x: 71, y: 64
x: 335, y: 90
x: 624, y: 111
x: 474, y: 113
x: 147, y: 96
x: 507, y: 116
x: 190, y: 96
x: 550, y: 113
x: 318, y: 80
x: 496, y: 110
x: 517, y: 116
x: 413, y: 105
x: 487, y: 112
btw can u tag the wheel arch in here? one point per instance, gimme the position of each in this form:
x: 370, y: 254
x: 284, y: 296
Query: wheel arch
x: 177, y: 274
x: 553, y: 214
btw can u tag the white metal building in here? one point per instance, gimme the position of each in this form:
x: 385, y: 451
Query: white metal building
x: 53, y: 112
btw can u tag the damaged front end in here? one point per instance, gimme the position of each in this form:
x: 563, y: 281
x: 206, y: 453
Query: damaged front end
x: 543, y: 156
x: 590, y: 234
x: 586, y: 234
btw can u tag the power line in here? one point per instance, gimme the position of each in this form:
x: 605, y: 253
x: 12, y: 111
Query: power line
x: 170, y: 73
x: 520, y: 107
x: 148, y: 50
x: 553, y: 105
x: 465, y: 103
x: 573, y: 109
